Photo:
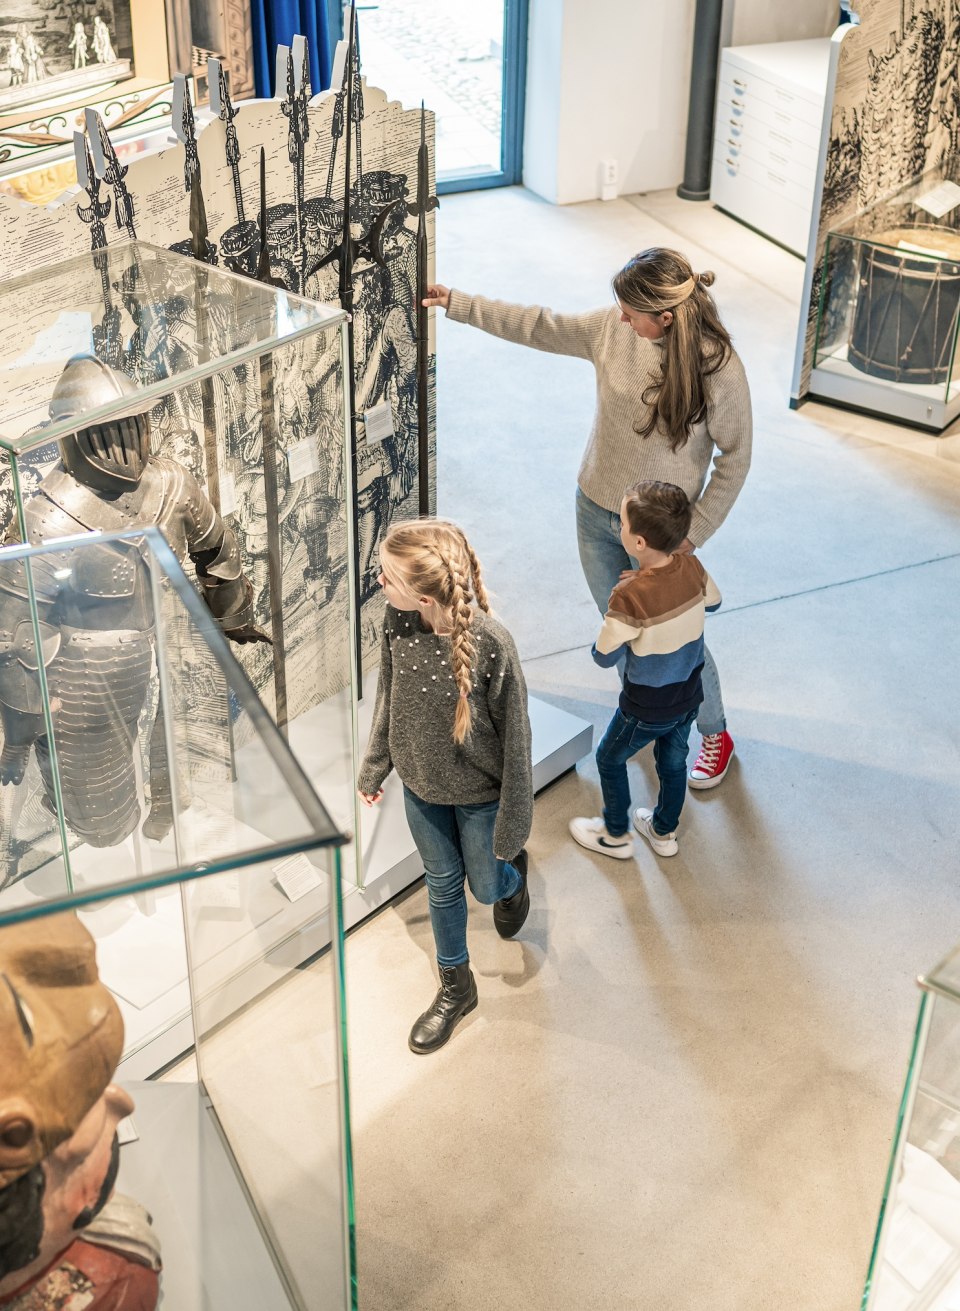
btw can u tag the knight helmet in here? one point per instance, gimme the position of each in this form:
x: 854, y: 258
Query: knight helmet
x: 110, y: 456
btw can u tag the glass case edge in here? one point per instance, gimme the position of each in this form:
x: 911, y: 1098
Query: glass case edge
x: 904, y: 1112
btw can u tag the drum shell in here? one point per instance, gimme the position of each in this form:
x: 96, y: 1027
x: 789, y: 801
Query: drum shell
x: 906, y: 309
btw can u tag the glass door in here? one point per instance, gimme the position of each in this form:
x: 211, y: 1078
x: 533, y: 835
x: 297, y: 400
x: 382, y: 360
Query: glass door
x: 467, y: 60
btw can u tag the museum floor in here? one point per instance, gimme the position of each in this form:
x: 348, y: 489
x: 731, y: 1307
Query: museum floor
x: 679, y: 1088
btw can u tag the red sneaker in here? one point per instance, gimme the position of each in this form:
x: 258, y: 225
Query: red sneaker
x: 716, y: 752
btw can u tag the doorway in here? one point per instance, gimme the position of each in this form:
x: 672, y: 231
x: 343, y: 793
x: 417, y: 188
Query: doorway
x: 467, y: 59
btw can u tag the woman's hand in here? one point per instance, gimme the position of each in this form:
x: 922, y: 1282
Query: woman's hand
x: 437, y: 297
x: 370, y: 798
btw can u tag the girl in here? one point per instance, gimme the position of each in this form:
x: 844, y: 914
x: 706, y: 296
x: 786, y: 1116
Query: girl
x: 451, y: 718
x: 673, y: 406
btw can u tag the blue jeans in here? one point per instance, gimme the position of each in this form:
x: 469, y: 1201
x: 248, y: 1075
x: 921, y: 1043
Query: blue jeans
x: 603, y: 559
x: 456, y: 843
x: 625, y: 736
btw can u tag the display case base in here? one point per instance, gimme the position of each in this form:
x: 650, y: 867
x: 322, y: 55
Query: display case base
x: 930, y: 408
x: 180, y: 1169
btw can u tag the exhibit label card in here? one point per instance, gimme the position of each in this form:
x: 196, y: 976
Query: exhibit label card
x: 378, y: 422
x: 303, y: 460
x: 941, y: 200
x: 296, y: 877
x: 228, y: 494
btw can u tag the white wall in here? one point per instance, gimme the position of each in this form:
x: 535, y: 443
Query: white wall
x: 610, y: 79
x: 606, y: 79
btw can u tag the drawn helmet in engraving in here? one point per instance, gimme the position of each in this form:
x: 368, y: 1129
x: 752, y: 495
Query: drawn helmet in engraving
x: 109, y: 456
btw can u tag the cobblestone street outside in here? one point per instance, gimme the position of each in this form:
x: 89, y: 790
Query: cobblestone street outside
x: 450, y: 54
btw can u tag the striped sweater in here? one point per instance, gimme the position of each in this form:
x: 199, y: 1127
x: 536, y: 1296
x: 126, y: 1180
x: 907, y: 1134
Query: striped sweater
x: 655, y: 618
x: 710, y: 466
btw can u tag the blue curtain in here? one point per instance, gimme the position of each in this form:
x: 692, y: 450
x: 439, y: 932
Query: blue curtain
x: 276, y: 23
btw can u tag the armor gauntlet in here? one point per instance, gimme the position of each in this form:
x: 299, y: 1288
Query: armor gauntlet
x: 226, y: 589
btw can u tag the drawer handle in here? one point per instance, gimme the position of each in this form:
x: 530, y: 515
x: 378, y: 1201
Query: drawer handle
x: 733, y: 164
x: 778, y: 136
x: 785, y: 95
x: 739, y: 103
x: 734, y: 144
x: 775, y: 177
x: 736, y: 125
x: 741, y: 85
x: 779, y: 158
x: 787, y: 118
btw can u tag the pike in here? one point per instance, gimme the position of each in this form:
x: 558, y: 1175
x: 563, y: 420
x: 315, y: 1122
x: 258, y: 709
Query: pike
x: 294, y: 108
x: 345, y: 252
x: 222, y: 105
x: 271, y: 490
x: 185, y: 129
x: 107, y: 339
x: 111, y: 170
x: 425, y: 203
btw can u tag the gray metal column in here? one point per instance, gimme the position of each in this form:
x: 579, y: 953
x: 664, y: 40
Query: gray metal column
x: 703, y: 95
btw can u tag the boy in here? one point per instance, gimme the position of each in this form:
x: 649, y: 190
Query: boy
x: 655, y: 622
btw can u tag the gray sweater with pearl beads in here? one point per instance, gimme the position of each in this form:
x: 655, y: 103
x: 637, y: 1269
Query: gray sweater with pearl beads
x: 412, y: 728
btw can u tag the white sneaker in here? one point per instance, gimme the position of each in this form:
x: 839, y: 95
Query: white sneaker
x: 664, y: 844
x: 592, y: 833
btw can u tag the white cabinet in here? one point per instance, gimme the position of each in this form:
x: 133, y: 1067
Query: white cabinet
x: 770, y: 104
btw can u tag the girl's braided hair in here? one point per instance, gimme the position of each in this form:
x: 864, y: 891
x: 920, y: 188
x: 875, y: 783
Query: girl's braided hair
x: 435, y: 559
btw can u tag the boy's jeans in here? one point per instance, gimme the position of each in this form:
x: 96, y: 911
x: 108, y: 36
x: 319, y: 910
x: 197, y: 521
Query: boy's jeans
x: 456, y: 842
x: 626, y: 736
x: 603, y: 559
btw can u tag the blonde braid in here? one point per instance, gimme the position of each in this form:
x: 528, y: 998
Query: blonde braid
x: 464, y: 648
x: 479, y: 591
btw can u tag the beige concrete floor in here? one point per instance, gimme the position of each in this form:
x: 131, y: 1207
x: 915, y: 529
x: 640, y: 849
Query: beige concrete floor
x: 679, y: 1088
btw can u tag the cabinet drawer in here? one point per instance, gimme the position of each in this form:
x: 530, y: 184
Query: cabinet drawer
x: 751, y: 136
x: 796, y: 190
x: 765, y: 209
x: 798, y: 168
x: 767, y: 100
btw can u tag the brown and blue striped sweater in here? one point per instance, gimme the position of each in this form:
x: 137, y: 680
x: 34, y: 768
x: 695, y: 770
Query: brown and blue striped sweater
x: 655, y: 619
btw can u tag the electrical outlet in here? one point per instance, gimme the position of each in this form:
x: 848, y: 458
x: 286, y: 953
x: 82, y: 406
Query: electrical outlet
x: 608, y: 173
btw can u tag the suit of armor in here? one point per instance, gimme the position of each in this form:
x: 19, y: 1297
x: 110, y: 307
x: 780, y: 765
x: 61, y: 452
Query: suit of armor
x: 96, y: 614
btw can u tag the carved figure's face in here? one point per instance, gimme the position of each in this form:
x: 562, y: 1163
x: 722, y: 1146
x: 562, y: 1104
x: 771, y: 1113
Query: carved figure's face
x: 61, y: 1037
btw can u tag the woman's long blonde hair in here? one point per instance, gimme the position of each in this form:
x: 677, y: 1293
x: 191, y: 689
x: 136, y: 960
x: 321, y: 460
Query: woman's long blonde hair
x: 434, y: 558
x: 695, y: 345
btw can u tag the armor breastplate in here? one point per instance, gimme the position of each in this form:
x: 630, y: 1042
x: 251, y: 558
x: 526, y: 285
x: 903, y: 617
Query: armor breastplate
x: 61, y: 502
x: 109, y: 589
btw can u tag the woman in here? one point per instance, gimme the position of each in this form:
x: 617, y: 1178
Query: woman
x: 673, y: 405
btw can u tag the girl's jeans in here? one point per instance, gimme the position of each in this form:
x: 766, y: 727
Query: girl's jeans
x: 456, y: 842
x: 603, y: 559
x: 625, y: 736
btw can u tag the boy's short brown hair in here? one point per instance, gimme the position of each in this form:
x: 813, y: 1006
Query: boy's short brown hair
x: 658, y: 512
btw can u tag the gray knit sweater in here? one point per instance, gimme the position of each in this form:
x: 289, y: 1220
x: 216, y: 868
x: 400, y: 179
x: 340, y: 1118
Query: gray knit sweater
x: 412, y: 728
x: 625, y: 365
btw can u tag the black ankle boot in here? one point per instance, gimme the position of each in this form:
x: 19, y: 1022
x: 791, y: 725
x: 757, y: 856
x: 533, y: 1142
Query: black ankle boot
x: 457, y: 997
x: 510, y: 914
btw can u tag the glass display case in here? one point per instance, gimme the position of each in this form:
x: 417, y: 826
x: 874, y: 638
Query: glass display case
x: 229, y: 395
x: 888, y: 308
x: 237, y: 1162
x: 135, y: 749
x: 915, y: 1263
